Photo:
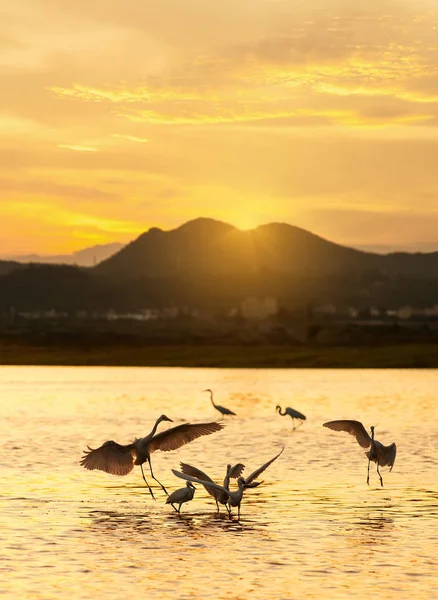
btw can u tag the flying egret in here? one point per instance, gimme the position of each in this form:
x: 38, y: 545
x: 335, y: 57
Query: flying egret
x: 119, y: 459
x: 382, y: 455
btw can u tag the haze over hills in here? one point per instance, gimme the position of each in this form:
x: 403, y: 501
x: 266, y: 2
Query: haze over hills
x: 204, y: 247
x: 423, y: 247
x: 92, y: 256
x: 82, y: 258
x: 208, y: 263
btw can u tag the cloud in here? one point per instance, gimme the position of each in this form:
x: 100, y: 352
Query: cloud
x: 51, y: 188
x: 78, y: 148
x: 146, y: 112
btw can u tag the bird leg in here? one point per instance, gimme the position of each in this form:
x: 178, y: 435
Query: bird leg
x: 381, y: 480
x: 179, y: 508
x: 153, y: 477
x: 238, y: 513
x: 149, y: 487
x: 174, y: 507
x: 217, y: 506
x: 368, y: 476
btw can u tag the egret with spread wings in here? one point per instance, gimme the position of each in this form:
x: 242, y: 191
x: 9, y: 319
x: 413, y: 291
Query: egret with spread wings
x: 235, y: 497
x: 220, y: 497
x: 382, y: 455
x: 119, y: 459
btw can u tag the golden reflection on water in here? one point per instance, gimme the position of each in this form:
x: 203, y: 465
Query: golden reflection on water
x: 314, y: 528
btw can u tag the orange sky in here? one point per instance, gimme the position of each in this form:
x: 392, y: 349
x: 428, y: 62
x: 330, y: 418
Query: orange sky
x: 117, y: 116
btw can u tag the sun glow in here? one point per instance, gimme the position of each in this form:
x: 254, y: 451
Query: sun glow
x: 119, y: 124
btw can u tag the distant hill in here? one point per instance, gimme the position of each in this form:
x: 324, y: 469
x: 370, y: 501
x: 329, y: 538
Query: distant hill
x: 7, y: 266
x: 424, y: 247
x: 82, y: 258
x: 210, y: 264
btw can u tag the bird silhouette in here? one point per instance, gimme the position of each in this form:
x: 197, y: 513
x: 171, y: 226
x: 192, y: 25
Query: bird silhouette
x: 181, y: 496
x: 234, y: 497
x: 292, y: 413
x: 219, y: 496
x: 221, y: 409
x: 119, y: 459
x: 382, y: 455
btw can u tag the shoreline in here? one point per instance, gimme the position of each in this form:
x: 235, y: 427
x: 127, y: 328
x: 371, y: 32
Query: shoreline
x: 261, y: 357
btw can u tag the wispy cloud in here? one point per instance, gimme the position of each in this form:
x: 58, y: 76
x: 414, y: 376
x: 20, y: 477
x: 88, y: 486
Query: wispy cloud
x: 130, y: 138
x: 264, y: 106
x: 77, y: 148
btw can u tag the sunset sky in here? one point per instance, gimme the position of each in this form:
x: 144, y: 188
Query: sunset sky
x: 118, y: 116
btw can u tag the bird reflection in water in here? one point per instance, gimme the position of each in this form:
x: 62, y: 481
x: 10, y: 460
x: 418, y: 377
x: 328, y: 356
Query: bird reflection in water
x: 372, y: 529
x: 122, y: 522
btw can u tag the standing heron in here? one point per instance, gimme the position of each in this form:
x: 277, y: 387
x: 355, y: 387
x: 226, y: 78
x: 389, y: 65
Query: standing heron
x: 382, y: 455
x: 182, y: 495
x: 119, y: 459
x: 219, y: 496
x: 292, y: 413
x: 235, y: 497
x: 221, y: 409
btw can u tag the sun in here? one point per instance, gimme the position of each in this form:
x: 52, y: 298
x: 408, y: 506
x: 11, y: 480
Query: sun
x: 245, y: 221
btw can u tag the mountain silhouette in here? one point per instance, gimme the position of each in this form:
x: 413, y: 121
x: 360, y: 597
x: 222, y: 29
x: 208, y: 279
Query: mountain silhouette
x: 205, y: 247
x: 210, y: 264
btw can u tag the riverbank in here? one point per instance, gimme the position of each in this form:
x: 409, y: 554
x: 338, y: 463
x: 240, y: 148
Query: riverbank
x: 401, y: 356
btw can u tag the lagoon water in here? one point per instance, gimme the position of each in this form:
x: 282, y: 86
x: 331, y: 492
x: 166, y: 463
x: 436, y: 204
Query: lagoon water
x: 313, y: 529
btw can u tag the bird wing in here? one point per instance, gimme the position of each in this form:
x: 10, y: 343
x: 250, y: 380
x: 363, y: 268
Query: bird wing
x: 178, y: 436
x: 260, y: 470
x: 387, y: 456
x: 225, y: 411
x: 353, y: 428
x: 295, y: 413
x: 111, y: 457
x: 201, y: 481
x: 236, y: 471
x: 194, y: 472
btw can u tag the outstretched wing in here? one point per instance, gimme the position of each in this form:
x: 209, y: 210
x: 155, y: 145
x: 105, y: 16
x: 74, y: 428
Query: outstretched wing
x: 387, y: 456
x: 200, y: 481
x: 236, y: 471
x: 353, y: 428
x: 111, y: 457
x: 178, y: 436
x: 260, y: 470
x: 194, y: 472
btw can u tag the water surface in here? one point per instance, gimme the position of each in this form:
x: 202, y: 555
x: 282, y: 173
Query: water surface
x: 313, y: 529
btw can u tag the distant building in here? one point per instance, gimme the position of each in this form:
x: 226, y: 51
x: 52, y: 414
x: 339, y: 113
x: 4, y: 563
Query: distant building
x: 405, y: 312
x: 258, y: 308
x: 325, y: 309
